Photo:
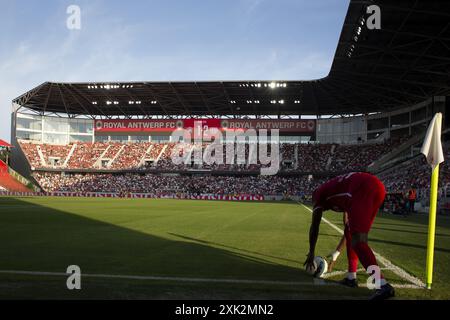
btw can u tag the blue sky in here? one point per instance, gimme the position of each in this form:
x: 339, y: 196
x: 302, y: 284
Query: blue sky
x: 164, y: 40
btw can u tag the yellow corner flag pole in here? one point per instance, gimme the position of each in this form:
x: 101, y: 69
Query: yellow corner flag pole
x: 432, y: 149
x: 432, y: 224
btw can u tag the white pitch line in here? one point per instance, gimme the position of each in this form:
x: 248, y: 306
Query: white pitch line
x: 338, y: 273
x: 317, y: 282
x: 158, y: 278
x: 385, y: 262
x: 397, y: 286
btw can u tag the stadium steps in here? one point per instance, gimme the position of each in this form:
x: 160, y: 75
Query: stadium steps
x: 144, y: 157
x: 330, y: 158
x: 116, y: 156
x: 41, y: 156
x: 98, y: 162
x: 72, y: 150
x: 8, y: 182
x: 161, y: 153
x: 388, y: 159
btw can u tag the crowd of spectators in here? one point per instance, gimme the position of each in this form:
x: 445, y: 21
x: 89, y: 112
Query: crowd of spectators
x: 170, y: 184
x: 310, y: 158
x: 85, y: 155
x: 313, y: 157
x: 131, y: 156
x: 416, y: 172
x: 358, y: 157
x: 31, y: 152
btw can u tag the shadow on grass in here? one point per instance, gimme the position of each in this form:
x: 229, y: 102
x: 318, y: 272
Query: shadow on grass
x: 39, y: 238
x: 409, y: 231
x: 406, y: 244
x: 42, y: 238
x: 230, y: 247
x: 410, y: 220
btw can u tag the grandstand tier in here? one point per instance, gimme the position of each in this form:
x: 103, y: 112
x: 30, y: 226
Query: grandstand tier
x: 294, y: 157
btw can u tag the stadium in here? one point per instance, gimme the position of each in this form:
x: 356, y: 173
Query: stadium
x: 89, y: 177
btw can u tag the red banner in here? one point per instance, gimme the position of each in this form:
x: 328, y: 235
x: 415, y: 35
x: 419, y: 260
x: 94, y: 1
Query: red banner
x: 137, y: 125
x: 228, y: 198
x: 151, y: 125
x: 307, y: 126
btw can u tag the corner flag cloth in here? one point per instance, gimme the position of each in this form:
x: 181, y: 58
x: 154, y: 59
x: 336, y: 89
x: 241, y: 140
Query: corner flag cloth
x: 432, y: 146
x: 432, y: 149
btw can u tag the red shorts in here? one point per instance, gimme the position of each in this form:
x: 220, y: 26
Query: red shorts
x: 367, y: 198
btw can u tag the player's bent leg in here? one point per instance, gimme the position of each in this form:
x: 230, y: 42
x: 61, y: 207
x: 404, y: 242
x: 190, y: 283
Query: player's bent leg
x: 350, y: 280
x: 363, y: 251
x: 367, y: 258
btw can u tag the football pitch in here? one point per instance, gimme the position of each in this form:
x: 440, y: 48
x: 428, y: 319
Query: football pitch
x: 180, y: 249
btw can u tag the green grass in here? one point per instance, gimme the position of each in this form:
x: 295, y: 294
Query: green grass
x: 192, y: 239
x: 404, y: 242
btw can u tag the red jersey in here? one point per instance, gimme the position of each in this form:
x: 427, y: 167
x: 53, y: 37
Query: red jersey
x: 337, y: 193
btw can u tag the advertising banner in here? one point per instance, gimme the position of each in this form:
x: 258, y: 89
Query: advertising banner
x: 152, y: 125
x: 134, y: 195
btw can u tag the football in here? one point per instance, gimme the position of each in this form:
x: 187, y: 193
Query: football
x: 321, y: 267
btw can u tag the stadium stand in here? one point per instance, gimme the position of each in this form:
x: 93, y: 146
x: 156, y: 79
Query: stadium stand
x: 359, y: 157
x: 307, y: 158
x: 415, y: 172
x: 163, y: 184
x: 156, y: 156
x: 3, y: 167
x: 144, y: 161
x: 7, y: 182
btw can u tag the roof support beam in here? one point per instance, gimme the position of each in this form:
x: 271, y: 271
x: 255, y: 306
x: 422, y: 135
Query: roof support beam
x: 423, y: 53
x: 160, y: 102
x: 48, y: 96
x: 64, y: 101
x: 203, y: 98
x: 99, y: 110
x: 186, y: 109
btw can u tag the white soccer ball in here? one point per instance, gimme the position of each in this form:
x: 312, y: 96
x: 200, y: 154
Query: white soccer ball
x: 321, y: 267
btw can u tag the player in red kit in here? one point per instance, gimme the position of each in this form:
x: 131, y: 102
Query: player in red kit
x: 360, y: 195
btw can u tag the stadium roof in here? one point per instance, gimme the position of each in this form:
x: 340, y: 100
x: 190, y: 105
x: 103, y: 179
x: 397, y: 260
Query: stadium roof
x: 404, y: 63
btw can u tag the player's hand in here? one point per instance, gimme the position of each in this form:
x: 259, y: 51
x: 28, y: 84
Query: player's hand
x: 309, y: 263
x: 331, y: 265
x: 332, y: 257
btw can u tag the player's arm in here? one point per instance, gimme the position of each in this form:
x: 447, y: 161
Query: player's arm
x: 341, y: 244
x: 334, y: 255
x: 314, y: 234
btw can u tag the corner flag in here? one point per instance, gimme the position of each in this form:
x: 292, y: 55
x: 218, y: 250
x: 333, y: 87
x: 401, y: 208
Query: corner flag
x: 432, y: 146
x: 432, y: 149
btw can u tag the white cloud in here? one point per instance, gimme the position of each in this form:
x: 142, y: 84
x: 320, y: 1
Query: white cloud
x: 252, y: 5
